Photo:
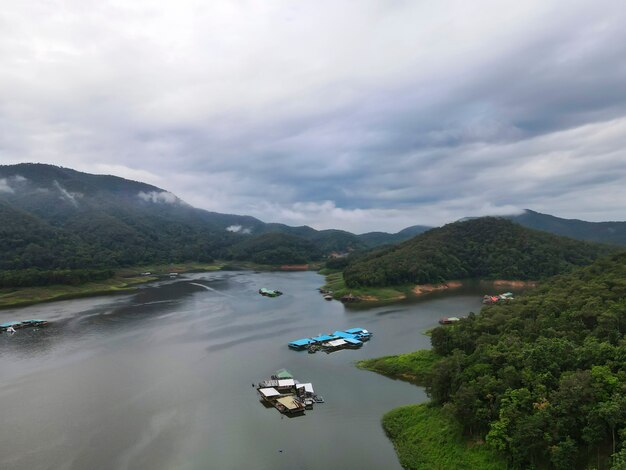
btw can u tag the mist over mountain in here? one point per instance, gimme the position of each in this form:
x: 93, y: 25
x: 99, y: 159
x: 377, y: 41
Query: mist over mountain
x: 602, y: 232
x: 59, y: 218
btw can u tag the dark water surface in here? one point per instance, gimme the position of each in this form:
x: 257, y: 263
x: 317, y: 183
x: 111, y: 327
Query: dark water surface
x: 161, y: 379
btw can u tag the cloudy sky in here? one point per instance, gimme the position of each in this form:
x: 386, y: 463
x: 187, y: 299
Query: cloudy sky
x: 362, y: 115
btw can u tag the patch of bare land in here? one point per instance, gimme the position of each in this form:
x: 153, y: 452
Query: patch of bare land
x: 422, y: 289
x: 509, y: 283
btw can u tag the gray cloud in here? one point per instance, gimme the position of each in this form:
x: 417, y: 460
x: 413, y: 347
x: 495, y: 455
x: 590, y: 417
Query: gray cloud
x: 368, y: 117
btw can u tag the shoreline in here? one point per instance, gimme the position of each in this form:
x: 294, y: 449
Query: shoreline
x: 127, y: 280
x: 371, y: 296
x: 424, y: 435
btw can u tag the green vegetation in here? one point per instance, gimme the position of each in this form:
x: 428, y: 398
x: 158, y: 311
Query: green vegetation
x: 489, y: 248
x: 123, y: 280
x: 336, y: 283
x: 61, y: 226
x: 275, y: 249
x: 541, y: 380
x: 32, y: 295
x: 414, y: 367
x: 427, y: 438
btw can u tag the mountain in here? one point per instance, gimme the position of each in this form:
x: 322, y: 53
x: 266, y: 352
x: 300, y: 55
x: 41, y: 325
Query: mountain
x: 375, y: 239
x: 59, y: 218
x: 602, y: 232
x: 487, y: 247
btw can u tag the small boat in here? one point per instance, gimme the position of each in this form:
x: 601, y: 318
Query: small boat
x: 448, y: 320
x: 269, y: 292
x: 328, y: 297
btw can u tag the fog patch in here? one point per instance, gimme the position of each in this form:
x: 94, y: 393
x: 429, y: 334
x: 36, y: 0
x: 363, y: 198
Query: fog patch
x: 5, y: 187
x: 164, y: 197
x: 66, y: 195
x: 239, y: 229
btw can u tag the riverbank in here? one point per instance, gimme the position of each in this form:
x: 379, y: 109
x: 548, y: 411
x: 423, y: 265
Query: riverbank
x: 425, y: 436
x: 336, y: 283
x: 124, y: 281
x: 412, y: 367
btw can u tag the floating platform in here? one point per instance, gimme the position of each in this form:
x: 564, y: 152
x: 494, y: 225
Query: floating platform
x: 348, y: 339
x: 16, y: 325
x: 287, y: 395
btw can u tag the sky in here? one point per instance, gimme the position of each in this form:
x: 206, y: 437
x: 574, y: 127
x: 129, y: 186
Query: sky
x: 360, y: 115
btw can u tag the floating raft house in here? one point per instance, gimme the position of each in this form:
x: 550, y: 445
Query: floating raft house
x: 22, y: 324
x: 352, y: 338
x: 287, y: 395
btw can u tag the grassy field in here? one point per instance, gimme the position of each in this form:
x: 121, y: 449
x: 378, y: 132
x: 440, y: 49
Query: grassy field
x: 426, y: 438
x: 32, y: 295
x: 412, y: 367
x: 124, y: 280
x: 335, y: 282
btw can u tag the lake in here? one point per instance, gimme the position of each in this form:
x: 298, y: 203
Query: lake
x: 162, y: 378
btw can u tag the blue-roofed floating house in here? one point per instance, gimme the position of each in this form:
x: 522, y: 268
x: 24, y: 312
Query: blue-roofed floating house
x: 323, y: 338
x: 352, y: 339
x: 300, y: 344
x: 361, y: 333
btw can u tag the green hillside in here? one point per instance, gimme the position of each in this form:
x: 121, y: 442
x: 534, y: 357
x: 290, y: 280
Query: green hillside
x: 541, y: 380
x: 488, y: 248
x: 57, y: 219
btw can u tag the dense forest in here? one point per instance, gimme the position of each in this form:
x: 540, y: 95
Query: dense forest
x: 488, y: 247
x: 55, y: 220
x: 543, y: 379
x: 275, y: 249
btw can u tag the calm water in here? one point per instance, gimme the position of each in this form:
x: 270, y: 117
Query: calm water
x: 161, y: 379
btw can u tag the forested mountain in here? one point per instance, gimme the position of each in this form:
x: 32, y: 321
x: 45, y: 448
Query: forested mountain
x: 543, y: 379
x: 58, y: 218
x: 486, y: 247
x: 374, y: 239
x: 603, y: 232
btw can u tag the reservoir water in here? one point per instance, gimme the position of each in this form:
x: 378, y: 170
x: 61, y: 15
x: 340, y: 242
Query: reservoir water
x: 162, y: 378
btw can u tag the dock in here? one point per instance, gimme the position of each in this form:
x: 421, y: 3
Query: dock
x: 352, y: 338
x: 16, y: 325
x: 286, y: 394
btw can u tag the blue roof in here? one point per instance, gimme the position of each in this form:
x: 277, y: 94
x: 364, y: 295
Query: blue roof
x: 32, y: 321
x: 302, y: 342
x: 354, y: 330
x: 323, y: 338
x: 11, y: 323
x: 343, y: 334
x: 352, y: 341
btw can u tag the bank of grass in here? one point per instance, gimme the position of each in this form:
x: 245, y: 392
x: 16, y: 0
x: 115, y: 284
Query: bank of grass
x: 124, y: 280
x: 32, y: 295
x: 412, y: 367
x: 427, y: 438
x: 336, y: 283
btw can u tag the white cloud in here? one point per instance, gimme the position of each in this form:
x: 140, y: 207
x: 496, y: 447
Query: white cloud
x: 68, y: 196
x: 368, y: 116
x: 5, y: 187
x: 164, y: 197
